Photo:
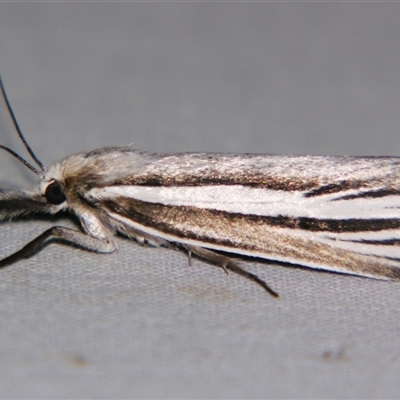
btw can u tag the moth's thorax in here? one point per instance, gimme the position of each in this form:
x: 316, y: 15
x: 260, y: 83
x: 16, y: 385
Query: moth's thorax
x: 98, y: 167
x: 72, y: 178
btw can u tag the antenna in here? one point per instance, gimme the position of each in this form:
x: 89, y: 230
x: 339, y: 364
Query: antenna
x: 18, y: 157
x: 21, y: 136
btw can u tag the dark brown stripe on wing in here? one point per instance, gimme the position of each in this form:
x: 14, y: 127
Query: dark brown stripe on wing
x: 148, y: 214
x: 383, y: 242
x: 335, y: 188
x: 370, y: 194
x: 202, y: 179
x: 227, y: 231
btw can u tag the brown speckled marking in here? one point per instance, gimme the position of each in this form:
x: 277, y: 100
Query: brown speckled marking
x: 251, y: 233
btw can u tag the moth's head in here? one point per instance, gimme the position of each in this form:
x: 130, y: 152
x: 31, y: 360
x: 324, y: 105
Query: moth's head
x: 68, y: 181
x: 61, y: 183
x: 50, y: 188
x: 53, y: 191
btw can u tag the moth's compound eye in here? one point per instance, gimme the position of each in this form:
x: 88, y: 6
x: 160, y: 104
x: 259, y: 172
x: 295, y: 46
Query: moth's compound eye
x: 54, y: 194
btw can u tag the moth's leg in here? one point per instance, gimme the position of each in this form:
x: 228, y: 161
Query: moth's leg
x: 142, y: 238
x: 67, y: 234
x: 227, y: 264
x: 189, y: 257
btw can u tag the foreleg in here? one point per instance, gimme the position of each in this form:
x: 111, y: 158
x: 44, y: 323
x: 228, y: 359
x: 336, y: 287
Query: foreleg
x: 69, y: 235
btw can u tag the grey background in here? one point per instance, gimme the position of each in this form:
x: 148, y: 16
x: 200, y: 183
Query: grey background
x: 302, y: 78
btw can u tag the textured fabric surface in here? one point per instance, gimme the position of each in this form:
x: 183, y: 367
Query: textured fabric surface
x: 142, y: 323
x: 269, y: 78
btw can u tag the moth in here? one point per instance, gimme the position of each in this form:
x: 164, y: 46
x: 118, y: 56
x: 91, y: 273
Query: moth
x: 338, y: 214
